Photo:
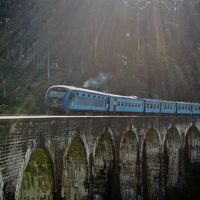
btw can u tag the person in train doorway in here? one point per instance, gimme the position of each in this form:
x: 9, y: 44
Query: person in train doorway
x: 115, y: 104
x: 107, y: 104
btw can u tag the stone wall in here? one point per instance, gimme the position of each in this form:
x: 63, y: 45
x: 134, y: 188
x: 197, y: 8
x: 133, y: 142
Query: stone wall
x: 95, y: 157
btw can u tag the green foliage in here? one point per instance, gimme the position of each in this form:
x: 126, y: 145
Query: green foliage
x: 149, y: 48
x: 3, y: 109
x: 5, y: 38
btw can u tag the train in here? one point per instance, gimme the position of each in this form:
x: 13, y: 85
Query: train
x: 70, y: 99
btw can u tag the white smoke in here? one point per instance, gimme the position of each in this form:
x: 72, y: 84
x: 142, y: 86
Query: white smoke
x: 101, y: 78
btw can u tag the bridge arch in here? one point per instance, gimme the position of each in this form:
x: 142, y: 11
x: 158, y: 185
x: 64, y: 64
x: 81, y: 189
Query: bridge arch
x: 103, y: 162
x: 192, y: 144
x: 25, y: 162
x: 37, y: 178
x: 151, y: 164
x: 172, y: 147
x: 128, y: 163
x: 75, y: 170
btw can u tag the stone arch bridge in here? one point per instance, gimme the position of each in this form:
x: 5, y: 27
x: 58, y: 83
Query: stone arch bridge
x: 95, y: 157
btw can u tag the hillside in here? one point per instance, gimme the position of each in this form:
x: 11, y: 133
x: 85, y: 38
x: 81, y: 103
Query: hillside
x: 146, y: 48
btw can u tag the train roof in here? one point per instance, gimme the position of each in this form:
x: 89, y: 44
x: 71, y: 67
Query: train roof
x: 117, y: 96
x: 92, y: 91
x: 167, y: 101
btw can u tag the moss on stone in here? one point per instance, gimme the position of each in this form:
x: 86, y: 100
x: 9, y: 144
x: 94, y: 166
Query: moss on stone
x: 37, y: 180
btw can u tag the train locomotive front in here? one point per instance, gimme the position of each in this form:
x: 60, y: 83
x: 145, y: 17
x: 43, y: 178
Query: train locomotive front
x: 57, y: 99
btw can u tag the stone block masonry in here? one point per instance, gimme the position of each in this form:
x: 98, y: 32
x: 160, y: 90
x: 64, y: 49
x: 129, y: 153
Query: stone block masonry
x: 95, y: 157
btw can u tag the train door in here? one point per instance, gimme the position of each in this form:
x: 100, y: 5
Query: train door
x: 115, y: 105
x: 108, y: 104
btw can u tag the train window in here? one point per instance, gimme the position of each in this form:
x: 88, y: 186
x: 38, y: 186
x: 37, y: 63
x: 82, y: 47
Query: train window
x: 138, y: 105
x: 125, y: 104
x: 77, y: 93
x: 99, y: 97
x: 89, y: 95
x: 158, y: 106
x: 102, y: 97
x: 122, y: 103
x: 132, y: 104
x: 129, y: 104
x: 83, y: 95
x: 147, y: 105
x: 94, y: 96
x: 151, y: 105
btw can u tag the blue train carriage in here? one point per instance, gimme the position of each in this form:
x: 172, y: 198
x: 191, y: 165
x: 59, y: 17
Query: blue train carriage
x: 195, y: 108
x: 88, y: 100
x: 168, y: 107
x: 126, y: 104
x: 152, y: 106
x: 184, y: 108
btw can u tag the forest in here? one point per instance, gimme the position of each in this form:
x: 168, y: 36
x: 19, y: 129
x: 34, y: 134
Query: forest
x: 144, y: 48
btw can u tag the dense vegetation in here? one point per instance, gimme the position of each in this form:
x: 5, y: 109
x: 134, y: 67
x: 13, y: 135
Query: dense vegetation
x: 148, y: 48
